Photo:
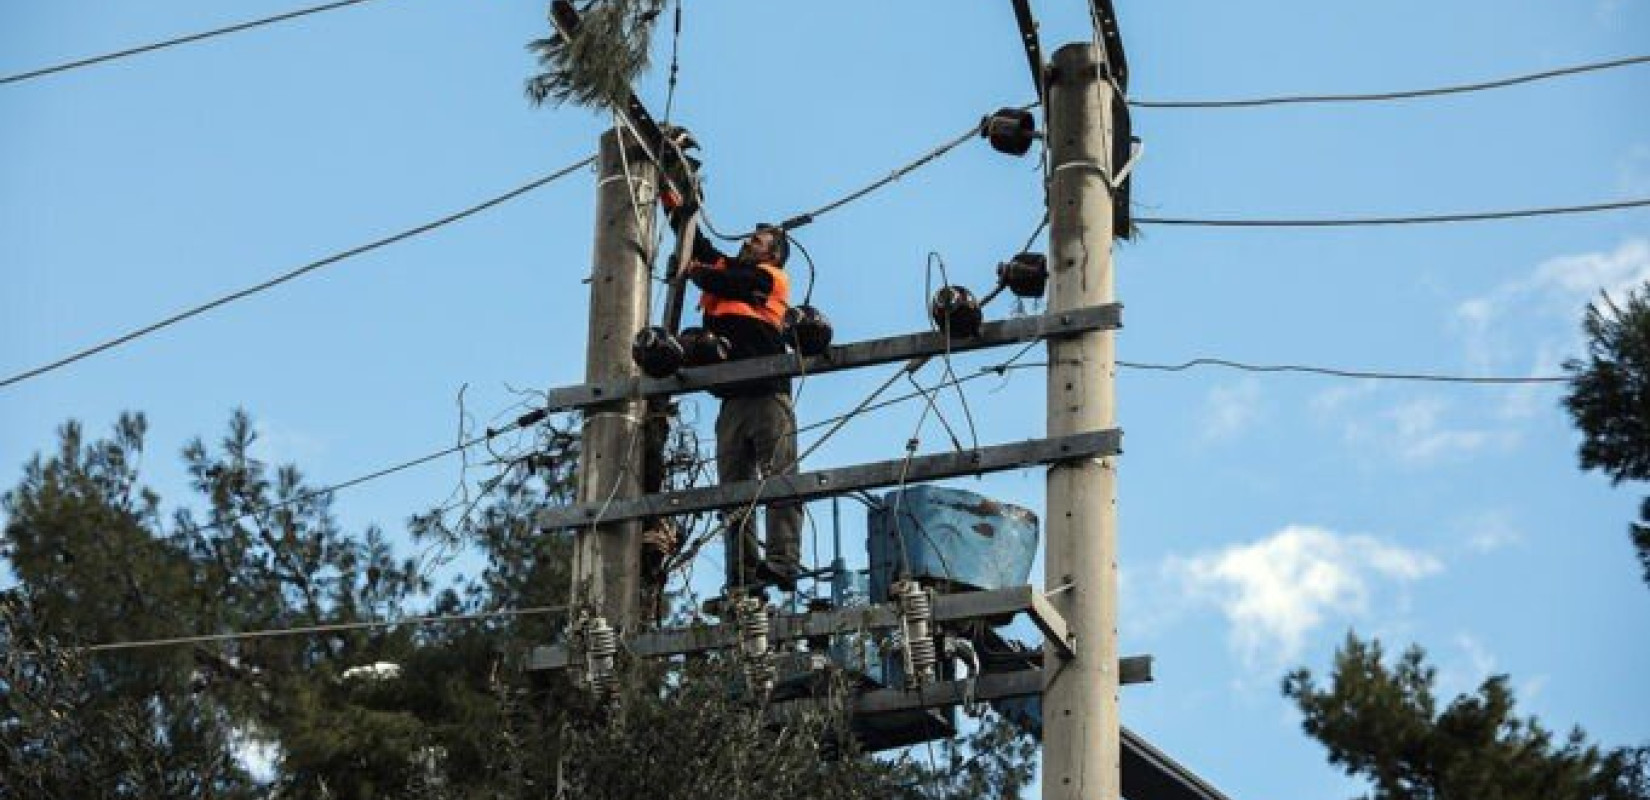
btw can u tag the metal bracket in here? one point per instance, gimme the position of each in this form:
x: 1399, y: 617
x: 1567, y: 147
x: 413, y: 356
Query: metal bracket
x: 1028, y: 38
x: 1111, y: 40
x: 825, y: 483
x: 848, y: 356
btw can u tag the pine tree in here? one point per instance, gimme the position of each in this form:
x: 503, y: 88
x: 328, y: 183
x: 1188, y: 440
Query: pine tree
x: 1383, y: 722
x: 1610, y: 399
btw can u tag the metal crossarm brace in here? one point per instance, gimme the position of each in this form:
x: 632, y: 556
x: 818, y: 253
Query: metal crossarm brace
x: 1111, y: 38
x: 848, y: 356
x: 811, y: 485
x: 948, y: 608
x: 1028, y: 38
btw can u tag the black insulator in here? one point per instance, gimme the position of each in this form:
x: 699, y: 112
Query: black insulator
x: 956, y: 311
x: 1010, y: 131
x: 701, y: 348
x: 1026, y: 275
x: 807, y: 328
x: 657, y: 353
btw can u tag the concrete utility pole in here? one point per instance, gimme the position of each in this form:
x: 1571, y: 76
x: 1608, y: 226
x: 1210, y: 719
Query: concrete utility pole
x: 606, y: 556
x: 1081, y: 736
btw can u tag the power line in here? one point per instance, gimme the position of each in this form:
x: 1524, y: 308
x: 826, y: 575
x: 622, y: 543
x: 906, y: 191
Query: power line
x: 525, y: 420
x: 803, y: 219
x: 1398, y: 95
x: 194, y: 37
x: 287, y: 276
x: 1431, y: 377
x: 308, y: 630
x: 1350, y: 222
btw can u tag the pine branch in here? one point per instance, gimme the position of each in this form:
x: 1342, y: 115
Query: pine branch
x: 598, y: 66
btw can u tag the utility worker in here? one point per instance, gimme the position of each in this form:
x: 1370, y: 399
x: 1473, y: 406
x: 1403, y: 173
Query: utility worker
x: 744, y: 299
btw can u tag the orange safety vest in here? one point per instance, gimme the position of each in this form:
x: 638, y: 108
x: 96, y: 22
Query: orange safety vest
x: 771, y: 310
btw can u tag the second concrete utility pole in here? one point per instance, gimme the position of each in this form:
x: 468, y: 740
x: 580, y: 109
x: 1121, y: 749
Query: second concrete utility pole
x: 1081, y: 736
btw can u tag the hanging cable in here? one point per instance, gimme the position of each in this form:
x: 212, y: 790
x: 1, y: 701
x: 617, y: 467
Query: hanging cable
x: 1350, y: 222
x: 804, y: 219
x: 194, y: 37
x: 296, y: 273
x: 1388, y: 96
x: 1343, y: 373
x: 310, y: 630
x: 525, y: 420
x: 675, y: 63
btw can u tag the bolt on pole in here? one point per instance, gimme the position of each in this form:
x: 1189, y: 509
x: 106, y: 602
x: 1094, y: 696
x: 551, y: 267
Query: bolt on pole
x: 1081, y: 731
x: 606, y: 556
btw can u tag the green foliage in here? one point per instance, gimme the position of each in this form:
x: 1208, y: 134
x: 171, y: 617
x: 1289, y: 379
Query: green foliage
x: 598, y: 66
x: 450, y: 714
x: 1383, y: 723
x: 1610, y: 399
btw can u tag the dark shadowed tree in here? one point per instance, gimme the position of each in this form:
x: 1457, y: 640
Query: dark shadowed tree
x: 413, y: 711
x: 1383, y: 723
x: 597, y: 68
x: 1610, y: 399
x: 81, y: 536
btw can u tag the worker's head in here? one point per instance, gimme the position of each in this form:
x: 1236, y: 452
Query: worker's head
x: 767, y: 243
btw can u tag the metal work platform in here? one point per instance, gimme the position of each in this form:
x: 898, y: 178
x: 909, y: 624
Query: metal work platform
x: 948, y: 608
x: 848, y: 356
x: 825, y: 483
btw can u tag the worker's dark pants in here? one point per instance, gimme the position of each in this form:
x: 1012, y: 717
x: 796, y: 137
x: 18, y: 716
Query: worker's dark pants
x: 755, y: 439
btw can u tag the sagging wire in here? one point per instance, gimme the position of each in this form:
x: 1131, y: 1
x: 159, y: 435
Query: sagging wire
x: 813, y: 272
x: 933, y: 259
x: 675, y: 50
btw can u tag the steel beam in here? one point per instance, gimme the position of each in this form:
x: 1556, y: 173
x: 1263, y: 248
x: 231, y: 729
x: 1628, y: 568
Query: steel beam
x: 847, y: 356
x: 825, y: 483
x: 990, y: 686
x: 948, y: 608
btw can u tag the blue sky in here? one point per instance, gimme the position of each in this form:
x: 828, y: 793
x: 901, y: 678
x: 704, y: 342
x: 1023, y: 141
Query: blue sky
x: 1261, y: 516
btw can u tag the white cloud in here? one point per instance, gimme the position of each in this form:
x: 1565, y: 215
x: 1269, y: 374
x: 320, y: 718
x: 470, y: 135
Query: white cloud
x: 1419, y: 436
x: 1560, y: 287
x: 1491, y: 531
x: 1329, y: 402
x: 1463, y: 673
x: 279, y: 444
x: 1276, y: 591
x: 1230, y: 409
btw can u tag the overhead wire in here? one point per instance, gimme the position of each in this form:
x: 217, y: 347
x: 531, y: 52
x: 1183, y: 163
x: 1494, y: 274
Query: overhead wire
x: 310, y: 630
x: 1350, y: 222
x: 312, y: 266
x: 161, y: 45
x: 809, y: 217
x: 1394, y: 95
x: 525, y: 420
x: 1344, y: 373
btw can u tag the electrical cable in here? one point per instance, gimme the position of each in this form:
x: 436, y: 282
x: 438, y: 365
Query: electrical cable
x: 314, y: 629
x: 296, y: 273
x: 962, y: 397
x: 1342, y: 373
x: 813, y: 271
x: 1350, y: 222
x: 675, y: 64
x: 525, y: 420
x: 194, y: 37
x: 808, y: 218
x: 1398, y: 95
